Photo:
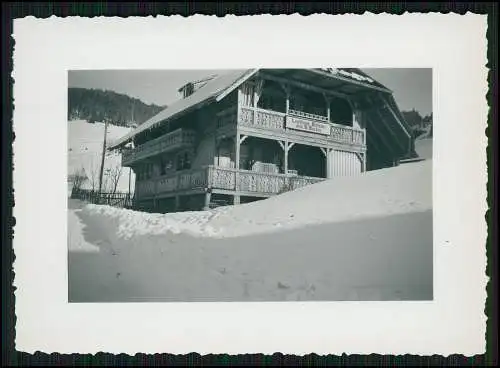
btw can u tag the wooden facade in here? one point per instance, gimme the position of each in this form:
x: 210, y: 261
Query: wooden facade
x: 262, y: 132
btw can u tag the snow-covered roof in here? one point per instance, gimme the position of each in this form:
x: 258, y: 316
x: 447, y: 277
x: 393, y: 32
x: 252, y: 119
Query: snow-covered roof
x: 222, y: 84
x: 204, y: 94
x: 355, y: 75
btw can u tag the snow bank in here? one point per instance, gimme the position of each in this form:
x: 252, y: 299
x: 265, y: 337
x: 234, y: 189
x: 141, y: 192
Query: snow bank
x: 85, y: 149
x: 385, y: 258
x: 367, y: 238
x: 398, y: 190
x: 76, y: 239
x: 403, y: 189
x: 126, y: 224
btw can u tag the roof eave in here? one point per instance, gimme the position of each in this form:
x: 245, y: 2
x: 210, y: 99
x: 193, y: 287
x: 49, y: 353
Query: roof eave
x: 217, y: 97
x: 347, y: 80
x: 236, y: 84
x: 123, y: 141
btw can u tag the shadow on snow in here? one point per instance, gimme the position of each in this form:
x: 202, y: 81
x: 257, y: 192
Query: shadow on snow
x: 382, y: 258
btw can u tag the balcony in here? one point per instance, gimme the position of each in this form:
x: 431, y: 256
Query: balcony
x: 172, y: 141
x: 244, y: 182
x: 299, y: 127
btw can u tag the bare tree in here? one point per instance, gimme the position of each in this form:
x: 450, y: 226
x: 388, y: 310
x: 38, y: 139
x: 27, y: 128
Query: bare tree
x: 78, y: 178
x: 114, y: 174
x: 94, y: 175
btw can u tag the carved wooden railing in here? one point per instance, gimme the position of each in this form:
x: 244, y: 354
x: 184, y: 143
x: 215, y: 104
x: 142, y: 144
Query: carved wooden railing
x: 222, y: 178
x: 266, y: 119
x: 177, y: 138
x: 193, y: 179
x: 251, y: 181
x: 343, y: 134
x: 183, y: 180
x: 302, y: 181
x: 275, y: 121
x: 255, y: 181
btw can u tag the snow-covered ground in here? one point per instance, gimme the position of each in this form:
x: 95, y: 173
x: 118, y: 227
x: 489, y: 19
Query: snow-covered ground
x: 367, y: 237
x: 85, y: 142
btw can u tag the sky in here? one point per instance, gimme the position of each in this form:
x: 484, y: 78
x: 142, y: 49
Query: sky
x: 412, y: 87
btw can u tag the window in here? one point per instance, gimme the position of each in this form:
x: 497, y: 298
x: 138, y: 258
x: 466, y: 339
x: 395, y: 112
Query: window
x: 183, y: 161
x: 188, y: 90
x: 169, y: 164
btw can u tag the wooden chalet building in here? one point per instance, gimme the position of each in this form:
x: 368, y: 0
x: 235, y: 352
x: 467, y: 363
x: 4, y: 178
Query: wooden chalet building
x: 251, y: 134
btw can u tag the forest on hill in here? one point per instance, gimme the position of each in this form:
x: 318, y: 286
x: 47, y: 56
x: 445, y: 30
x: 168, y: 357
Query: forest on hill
x: 95, y: 105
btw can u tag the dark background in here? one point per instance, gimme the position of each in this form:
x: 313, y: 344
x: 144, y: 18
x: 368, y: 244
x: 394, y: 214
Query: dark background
x: 13, y: 10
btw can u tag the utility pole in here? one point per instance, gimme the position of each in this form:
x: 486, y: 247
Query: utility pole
x: 103, y: 155
x: 129, y: 178
x: 130, y: 169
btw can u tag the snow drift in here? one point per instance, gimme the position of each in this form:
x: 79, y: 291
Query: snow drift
x: 403, y: 189
x: 360, y: 238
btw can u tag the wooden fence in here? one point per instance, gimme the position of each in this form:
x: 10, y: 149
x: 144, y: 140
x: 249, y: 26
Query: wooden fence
x: 123, y: 200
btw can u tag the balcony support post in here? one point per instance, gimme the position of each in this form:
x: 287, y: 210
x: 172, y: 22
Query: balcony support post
x: 286, y: 89
x: 326, y: 151
x: 327, y: 103
x: 286, y: 147
x: 208, y: 196
x: 285, y: 170
x: 243, y: 138
x: 236, y: 198
x: 257, y: 92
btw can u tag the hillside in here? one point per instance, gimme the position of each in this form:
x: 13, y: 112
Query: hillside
x: 85, y: 151
x: 367, y: 237
x: 98, y: 105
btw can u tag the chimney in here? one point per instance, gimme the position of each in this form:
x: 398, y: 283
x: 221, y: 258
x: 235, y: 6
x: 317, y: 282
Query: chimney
x: 189, y: 88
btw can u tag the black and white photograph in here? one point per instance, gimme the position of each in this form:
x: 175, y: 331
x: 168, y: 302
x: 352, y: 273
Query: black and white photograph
x: 250, y: 185
x: 233, y: 185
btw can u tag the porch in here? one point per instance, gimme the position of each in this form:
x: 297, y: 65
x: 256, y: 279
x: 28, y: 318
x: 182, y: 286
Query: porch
x: 175, y: 140
x: 220, y: 180
x: 294, y: 126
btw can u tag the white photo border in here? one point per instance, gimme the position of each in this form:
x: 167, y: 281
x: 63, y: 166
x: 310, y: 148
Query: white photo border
x: 453, y: 45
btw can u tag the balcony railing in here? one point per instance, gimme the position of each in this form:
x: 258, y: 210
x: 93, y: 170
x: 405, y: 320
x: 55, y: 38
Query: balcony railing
x: 308, y: 116
x: 171, y: 141
x: 228, y: 179
x: 301, y: 123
